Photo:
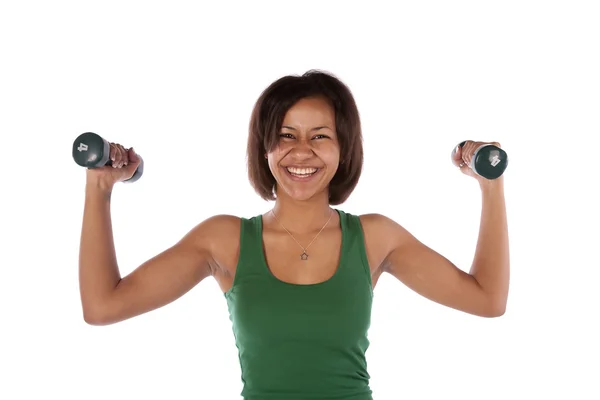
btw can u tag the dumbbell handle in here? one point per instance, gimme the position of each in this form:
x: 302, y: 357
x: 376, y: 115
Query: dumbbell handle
x: 90, y: 150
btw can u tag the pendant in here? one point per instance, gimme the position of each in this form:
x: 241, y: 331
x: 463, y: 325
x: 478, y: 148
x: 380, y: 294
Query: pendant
x: 304, y: 256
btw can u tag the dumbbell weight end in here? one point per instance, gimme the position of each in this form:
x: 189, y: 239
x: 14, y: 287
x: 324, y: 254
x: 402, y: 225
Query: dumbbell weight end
x: 488, y: 161
x: 90, y: 150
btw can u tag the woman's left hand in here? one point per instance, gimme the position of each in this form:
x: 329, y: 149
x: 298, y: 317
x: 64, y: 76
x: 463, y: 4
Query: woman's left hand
x: 462, y: 156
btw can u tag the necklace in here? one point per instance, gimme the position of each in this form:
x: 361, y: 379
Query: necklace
x: 304, y: 255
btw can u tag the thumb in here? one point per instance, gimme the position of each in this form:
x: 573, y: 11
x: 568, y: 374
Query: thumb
x: 132, y: 165
x: 133, y: 156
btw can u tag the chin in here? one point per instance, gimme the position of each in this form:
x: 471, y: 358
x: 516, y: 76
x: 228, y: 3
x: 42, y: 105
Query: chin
x: 305, y: 197
x: 304, y: 188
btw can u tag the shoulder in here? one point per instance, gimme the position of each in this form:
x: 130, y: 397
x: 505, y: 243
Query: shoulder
x: 222, y: 224
x: 218, y: 225
x: 379, y: 225
x: 219, y: 237
x: 215, y: 232
x: 382, y: 236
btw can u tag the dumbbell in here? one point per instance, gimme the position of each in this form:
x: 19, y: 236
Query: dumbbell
x: 488, y: 161
x: 90, y: 150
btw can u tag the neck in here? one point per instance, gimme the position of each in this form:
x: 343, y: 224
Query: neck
x: 302, y: 216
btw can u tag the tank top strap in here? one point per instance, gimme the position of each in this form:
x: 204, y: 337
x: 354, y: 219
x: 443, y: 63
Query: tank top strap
x: 250, y: 259
x: 354, y: 249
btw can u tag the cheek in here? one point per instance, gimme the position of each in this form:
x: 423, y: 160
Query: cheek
x: 273, y: 159
x: 332, y: 160
x: 272, y: 163
x: 330, y: 155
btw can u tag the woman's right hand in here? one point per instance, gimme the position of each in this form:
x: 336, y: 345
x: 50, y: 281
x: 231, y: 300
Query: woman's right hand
x: 124, y: 164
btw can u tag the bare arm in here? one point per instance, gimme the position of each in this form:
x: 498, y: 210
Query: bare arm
x: 483, y: 291
x: 106, y: 297
x: 491, y: 264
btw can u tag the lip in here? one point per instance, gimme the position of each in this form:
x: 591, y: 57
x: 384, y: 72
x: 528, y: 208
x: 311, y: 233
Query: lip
x: 301, y: 166
x: 301, y: 179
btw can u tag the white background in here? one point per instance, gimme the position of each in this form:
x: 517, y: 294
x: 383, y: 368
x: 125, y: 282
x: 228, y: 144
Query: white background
x: 177, y: 80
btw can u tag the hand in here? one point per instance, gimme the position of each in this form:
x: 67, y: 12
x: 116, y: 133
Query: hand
x: 462, y: 156
x: 124, y: 163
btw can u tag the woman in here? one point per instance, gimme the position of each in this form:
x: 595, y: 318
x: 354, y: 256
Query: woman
x: 299, y: 278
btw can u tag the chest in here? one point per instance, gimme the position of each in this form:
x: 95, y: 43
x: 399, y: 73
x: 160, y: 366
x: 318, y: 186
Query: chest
x: 280, y: 255
x: 302, y: 260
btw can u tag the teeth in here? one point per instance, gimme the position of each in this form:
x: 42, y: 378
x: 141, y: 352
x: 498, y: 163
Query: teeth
x: 302, y: 171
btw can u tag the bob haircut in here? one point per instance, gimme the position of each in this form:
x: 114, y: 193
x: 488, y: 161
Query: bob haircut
x: 267, y: 119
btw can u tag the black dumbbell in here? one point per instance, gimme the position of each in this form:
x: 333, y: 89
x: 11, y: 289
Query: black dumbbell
x: 488, y: 161
x: 90, y: 150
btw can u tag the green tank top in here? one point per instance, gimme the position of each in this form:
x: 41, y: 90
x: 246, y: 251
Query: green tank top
x: 302, y: 341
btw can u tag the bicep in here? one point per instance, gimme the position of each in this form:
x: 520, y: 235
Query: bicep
x: 170, y: 274
x: 429, y: 273
x: 159, y: 281
x: 433, y: 276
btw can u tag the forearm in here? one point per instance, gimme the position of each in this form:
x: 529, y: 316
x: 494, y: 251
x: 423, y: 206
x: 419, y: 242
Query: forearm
x: 98, y: 270
x: 491, y: 264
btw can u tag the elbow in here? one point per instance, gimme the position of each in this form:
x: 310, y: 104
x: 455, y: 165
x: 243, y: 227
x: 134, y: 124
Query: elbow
x: 496, y: 309
x: 94, y: 316
x: 496, y: 313
x: 92, y: 319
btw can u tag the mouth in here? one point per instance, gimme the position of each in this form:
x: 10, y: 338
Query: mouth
x: 301, y: 174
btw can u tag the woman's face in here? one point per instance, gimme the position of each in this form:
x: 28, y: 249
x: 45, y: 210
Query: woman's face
x: 308, y: 153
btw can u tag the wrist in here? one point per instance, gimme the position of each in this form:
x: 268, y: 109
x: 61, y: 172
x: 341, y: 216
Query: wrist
x: 492, y: 185
x: 97, y: 187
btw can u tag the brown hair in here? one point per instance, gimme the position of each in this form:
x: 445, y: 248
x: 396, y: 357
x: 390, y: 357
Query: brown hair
x: 267, y: 118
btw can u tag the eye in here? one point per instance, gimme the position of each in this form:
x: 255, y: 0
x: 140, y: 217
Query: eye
x: 321, y: 137
x: 286, y: 135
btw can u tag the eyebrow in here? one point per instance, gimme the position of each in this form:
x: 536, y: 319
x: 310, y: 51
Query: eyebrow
x: 313, y: 129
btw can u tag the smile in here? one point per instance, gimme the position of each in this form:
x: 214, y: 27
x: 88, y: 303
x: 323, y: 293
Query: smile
x: 302, y: 173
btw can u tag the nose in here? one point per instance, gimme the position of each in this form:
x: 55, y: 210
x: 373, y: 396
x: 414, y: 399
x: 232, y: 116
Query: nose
x: 302, y: 149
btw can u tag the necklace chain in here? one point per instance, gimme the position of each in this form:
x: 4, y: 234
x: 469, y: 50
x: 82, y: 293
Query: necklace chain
x: 304, y: 255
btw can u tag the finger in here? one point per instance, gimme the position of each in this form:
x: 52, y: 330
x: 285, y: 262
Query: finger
x: 116, y: 158
x: 113, y: 153
x: 132, y: 164
x: 124, y: 157
x: 118, y: 163
x: 462, y: 154
x: 468, y: 152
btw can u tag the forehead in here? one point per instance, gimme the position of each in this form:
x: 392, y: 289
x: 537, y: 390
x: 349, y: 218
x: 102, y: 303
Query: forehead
x: 307, y: 111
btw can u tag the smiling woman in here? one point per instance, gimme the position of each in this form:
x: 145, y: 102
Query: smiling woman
x: 299, y: 278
